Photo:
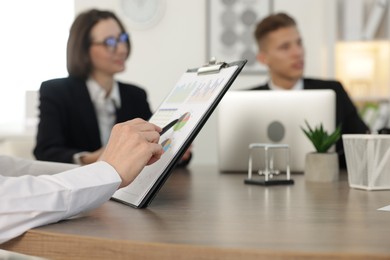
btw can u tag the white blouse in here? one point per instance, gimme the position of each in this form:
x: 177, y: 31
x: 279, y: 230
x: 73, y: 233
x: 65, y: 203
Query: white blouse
x: 28, y: 201
x: 105, y: 106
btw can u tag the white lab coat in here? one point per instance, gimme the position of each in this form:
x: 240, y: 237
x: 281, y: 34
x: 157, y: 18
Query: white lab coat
x: 29, y: 199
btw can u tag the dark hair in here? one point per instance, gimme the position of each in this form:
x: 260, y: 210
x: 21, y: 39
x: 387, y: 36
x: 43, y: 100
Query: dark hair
x: 272, y: 23
x: 78, y: 60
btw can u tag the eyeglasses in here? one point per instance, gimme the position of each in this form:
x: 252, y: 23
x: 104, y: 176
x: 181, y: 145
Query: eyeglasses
x: 111, y: 43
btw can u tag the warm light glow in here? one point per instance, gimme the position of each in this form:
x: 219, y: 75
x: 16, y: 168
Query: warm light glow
x: 364, y: 68
x: 360, y: 66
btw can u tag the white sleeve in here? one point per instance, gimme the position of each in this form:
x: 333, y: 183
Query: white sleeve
x: 13, y: 166
x: 31, y: 201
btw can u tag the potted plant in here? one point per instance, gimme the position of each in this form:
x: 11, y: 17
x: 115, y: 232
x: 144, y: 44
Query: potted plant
x: 321, y: 166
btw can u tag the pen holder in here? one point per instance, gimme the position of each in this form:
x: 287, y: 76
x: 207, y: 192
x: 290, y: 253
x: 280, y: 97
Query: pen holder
x: 269, y: 175
x: 368, y: 161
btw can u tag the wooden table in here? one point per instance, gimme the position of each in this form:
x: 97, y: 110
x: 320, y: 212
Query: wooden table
x: 203, y: 214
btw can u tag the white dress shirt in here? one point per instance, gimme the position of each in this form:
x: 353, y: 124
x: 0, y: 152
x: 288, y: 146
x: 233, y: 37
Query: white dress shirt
x: 297, y: 86
x: 28, y: 201
x: 105, y: 106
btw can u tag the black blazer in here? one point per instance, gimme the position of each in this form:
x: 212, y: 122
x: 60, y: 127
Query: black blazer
x: 346, y: 113
x: 68, y: 122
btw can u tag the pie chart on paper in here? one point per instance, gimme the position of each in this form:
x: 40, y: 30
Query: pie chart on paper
x: 182, y: 121
x: 166, y: 144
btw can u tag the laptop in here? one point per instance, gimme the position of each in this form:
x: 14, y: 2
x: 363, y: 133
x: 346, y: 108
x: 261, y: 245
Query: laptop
x: 272, y: 117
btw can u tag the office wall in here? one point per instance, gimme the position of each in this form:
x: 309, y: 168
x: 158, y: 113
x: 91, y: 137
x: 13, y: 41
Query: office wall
x: 162, y: 53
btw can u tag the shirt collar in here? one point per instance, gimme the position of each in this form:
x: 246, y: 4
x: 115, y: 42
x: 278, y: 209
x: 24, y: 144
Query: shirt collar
x: 298, y: 85
x: 98, y: 93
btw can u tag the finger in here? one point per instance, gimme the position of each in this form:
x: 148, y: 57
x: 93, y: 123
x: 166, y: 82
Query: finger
x: 135, y: 121
x: 143, y: 125
x: 151, y: 136
x: 138, y: 125
x: 157, y: 152
x: 149, y: 127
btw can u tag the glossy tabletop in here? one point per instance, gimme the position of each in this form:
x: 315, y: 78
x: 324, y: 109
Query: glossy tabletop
x: 201, y: 213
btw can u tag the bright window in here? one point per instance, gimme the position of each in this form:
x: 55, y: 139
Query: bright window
x: 32, y: 49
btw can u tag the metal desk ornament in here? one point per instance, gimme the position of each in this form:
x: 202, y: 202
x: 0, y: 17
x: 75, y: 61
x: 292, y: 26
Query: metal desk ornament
x: 269, y: 175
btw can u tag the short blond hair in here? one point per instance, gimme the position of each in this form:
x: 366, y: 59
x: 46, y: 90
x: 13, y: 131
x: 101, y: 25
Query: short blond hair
x: 272, y: 23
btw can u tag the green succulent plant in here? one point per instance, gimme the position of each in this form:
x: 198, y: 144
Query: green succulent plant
x: 320, y: 138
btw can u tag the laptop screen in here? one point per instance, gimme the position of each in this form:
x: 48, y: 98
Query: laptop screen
x: 276, y: 117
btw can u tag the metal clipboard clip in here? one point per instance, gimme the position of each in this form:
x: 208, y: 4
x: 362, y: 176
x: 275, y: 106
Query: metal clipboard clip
x: 212, y: 67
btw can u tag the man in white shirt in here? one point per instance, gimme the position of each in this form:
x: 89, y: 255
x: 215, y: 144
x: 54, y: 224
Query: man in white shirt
x: 29, y: 199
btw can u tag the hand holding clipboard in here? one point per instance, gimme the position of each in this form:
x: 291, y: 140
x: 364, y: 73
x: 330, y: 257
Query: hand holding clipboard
x: 185, y: 110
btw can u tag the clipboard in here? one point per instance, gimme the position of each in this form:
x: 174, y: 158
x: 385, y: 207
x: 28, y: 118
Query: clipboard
x: 191, y: 102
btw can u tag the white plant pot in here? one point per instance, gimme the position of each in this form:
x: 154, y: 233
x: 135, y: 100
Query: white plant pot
x: 322, y: 167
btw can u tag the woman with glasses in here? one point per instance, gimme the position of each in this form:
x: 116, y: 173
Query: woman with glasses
x: 78, y: 112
